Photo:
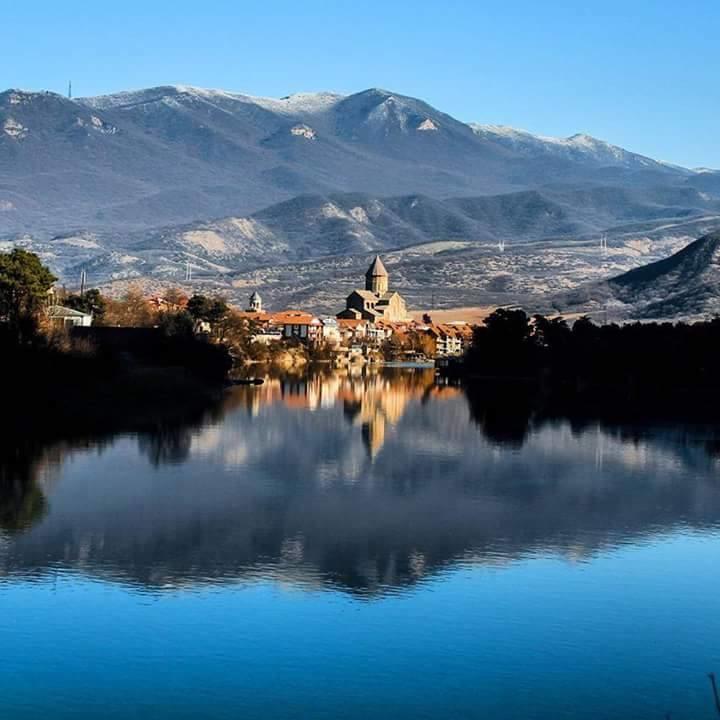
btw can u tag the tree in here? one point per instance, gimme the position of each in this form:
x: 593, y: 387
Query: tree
x: 198, y: 306
x: 422, y: 343
x: 177, y: 324
x: 133, y: 310
x: 175, y: 298
x: 213, y: 311
x: 24, y: 286
x: 505, y: 345
x: 91, y: 302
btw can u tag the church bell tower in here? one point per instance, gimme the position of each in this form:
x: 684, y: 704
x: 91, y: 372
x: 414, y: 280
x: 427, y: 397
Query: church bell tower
x: 376, y: 277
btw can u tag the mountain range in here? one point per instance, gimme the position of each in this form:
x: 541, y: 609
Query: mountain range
x: 142, y: 184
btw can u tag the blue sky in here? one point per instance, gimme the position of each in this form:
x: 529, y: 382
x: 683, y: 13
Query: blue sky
x: 644, y: 75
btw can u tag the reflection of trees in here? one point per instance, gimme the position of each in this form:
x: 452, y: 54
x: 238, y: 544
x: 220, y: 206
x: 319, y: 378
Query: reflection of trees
x: 24, y: 463
x: 508, y: 410
x: 22, y: 504
x: 166, y: 444
x: 503, y: 411
x: 22, y: 501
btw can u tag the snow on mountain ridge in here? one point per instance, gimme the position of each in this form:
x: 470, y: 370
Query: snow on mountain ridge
x: 297, y: 103
x: 579, y: 143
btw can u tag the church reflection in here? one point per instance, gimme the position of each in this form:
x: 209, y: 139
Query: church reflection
x: 373, y: 400
x: 370, y: 482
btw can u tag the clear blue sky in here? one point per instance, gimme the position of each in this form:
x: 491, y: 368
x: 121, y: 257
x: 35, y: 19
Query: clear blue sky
x: 642, y: 74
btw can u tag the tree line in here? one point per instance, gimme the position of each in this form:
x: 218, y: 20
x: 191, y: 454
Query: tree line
x: 632, y: 356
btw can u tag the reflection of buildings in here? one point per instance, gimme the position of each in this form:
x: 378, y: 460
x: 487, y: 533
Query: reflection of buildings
x: 373, y: 400
x: 377, y: 404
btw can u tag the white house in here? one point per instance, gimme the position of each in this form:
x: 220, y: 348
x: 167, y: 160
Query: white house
x: 331, y: 331
x: 67, y: 317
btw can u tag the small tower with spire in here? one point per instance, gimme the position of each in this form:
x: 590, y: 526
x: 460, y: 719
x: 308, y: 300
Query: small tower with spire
x: 376, y: 277
x: 255, y: 303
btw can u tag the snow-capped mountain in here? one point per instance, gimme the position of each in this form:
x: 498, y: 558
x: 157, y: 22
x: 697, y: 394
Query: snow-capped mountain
x: 175, y: 154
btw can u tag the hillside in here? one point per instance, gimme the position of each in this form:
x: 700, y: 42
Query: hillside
x: 311, y: 227
x: 685, y: 285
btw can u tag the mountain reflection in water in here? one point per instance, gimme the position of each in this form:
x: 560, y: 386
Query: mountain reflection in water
x: 369, y: 483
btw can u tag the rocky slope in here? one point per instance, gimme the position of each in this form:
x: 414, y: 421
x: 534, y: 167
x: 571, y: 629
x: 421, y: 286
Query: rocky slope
x: 685, y: 285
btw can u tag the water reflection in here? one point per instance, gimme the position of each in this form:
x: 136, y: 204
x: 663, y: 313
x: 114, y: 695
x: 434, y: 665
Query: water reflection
x: 371, y: 483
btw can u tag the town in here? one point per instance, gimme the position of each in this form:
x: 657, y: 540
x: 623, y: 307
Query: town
x: 375, y: 325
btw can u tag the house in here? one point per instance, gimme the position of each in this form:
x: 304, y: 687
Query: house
x: 451, y: 339
x: 378, y: 332
x: 298, y: 324
x: 352, y: 330
x: 67, y: 317
x: 376, y: 301
x: 330, y: 331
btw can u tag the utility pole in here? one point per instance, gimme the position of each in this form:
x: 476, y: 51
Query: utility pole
x: 604, y: 245
x: 83, y: 280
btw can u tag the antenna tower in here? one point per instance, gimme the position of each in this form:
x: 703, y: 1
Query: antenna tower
x: 70, y: 90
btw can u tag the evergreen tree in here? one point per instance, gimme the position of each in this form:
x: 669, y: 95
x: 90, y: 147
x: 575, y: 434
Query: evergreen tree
x: 24, y: 286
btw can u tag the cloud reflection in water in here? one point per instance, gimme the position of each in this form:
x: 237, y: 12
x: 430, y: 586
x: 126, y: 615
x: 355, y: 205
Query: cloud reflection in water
x: 369, y: 483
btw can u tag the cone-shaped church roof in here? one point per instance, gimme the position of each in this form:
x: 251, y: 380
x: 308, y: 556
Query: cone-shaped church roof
x: 376, y: 269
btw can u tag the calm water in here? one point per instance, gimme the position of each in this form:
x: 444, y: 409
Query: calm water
x: 362, y: 547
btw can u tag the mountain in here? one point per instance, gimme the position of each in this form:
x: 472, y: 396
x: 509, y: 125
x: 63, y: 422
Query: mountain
x: 579, y: 148
x: 310, y: 227
x: 298, y: 190
x: 310, y: 250
x: 685, y: 285
x: 176, y: 154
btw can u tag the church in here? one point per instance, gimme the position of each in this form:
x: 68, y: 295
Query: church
x: 376, y: 301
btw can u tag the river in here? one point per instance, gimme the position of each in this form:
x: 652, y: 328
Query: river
x: 356, y: 546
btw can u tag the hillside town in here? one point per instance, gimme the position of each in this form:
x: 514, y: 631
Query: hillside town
x: 374, y: 317
x: 374, y: 325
